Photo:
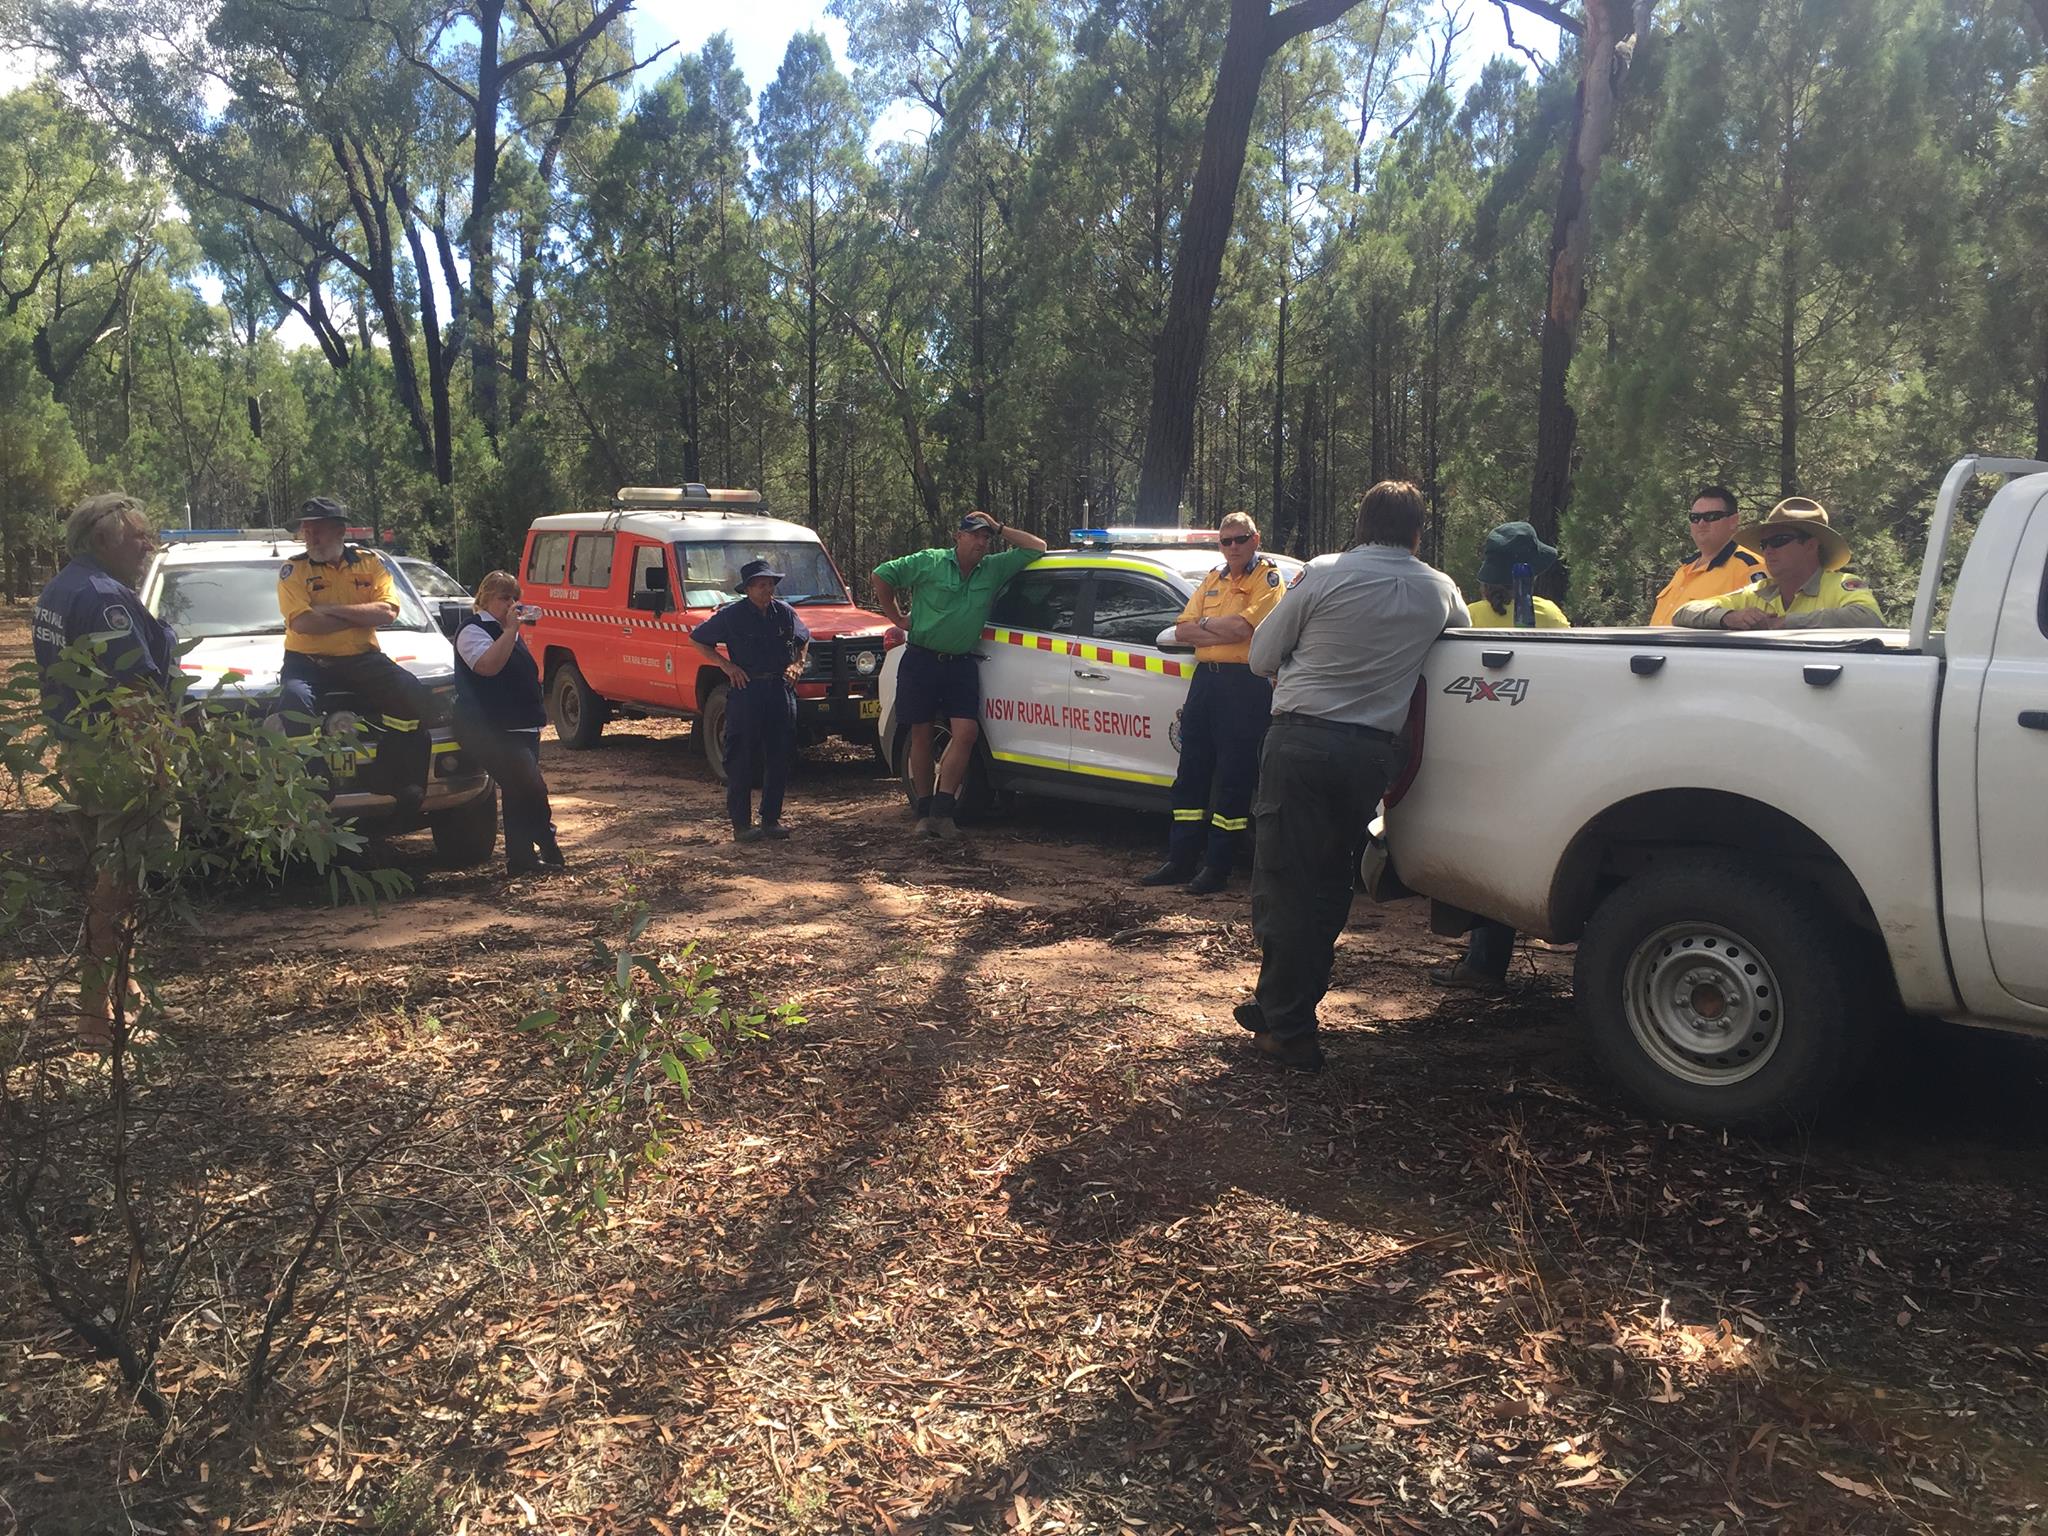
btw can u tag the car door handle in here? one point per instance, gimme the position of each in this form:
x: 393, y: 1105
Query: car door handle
x: 1084, y: 672
x: 1645, y: 666
x: 1496, y: 658
x: 1823, y: 674
x: 2034, y: 719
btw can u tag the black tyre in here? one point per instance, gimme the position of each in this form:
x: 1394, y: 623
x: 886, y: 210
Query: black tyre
x: 711, y: 734
x: 977, y: 797
x: 711, y: 729
x: 467, y: 835
x: 577, y: 713
x: 1720, y: 996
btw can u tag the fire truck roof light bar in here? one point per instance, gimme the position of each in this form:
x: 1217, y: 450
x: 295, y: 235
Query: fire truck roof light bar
x: 687, y: 496
x: 1143, y: 538
x: 200, y: 535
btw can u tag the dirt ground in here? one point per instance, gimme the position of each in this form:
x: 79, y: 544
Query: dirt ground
x: 1010, y: 1233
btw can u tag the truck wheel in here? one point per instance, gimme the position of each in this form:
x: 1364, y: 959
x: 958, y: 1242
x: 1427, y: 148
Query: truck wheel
x: 1718, y: 996
x: 711, y: 730
x: 578, y: 714
x: 977, y: 797
x: 467, y: 835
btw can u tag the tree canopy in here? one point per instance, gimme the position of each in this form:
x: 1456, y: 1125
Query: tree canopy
x: 464, y: 262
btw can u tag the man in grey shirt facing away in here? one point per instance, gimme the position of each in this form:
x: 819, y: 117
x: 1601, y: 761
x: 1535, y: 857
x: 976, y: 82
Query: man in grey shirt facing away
x: 1346, y: 647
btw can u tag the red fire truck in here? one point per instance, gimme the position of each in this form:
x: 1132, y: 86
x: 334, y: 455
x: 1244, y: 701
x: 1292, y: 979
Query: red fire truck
x: 619, y: 591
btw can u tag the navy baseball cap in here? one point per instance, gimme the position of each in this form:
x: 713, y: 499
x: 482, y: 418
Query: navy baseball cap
x: 977, y: 521
x: 320, y: 507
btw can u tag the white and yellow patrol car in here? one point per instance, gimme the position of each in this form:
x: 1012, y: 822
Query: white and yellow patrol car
x: 1078, y: 698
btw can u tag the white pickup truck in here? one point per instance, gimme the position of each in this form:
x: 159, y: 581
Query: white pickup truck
x: 1766, y: 842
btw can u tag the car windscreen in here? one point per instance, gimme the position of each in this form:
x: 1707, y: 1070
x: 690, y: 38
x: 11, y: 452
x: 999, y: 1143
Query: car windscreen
x: 710, y: 571
x: 205, y: 602
x: 431, y: 582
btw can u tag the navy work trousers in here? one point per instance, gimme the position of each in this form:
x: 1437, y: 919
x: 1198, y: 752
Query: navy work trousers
x: 1222, y: 727
x: 760, y: 738
x: 387, y: 696
x: 513, y: 759
x: 1319, y: 782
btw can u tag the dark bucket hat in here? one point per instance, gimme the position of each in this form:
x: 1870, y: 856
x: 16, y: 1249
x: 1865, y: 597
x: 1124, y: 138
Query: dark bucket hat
x: 753, y: 571
x: 1510, y: 545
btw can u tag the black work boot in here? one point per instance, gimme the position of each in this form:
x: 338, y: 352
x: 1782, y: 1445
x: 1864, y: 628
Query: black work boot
x: 1297, y: 1053
x: 1169, y: 873
x: 1212, y: 879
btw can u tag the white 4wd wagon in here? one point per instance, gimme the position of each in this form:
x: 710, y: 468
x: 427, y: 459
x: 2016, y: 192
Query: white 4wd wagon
x: 218, y: 587
x: 1078, y: 699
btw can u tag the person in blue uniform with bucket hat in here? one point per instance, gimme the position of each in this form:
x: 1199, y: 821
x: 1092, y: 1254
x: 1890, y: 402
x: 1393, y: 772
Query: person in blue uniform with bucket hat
x: 765, y: 645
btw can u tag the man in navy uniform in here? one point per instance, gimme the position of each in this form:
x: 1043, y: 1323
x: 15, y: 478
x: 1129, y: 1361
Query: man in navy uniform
x: 92, y: 600
x: 765, y: 645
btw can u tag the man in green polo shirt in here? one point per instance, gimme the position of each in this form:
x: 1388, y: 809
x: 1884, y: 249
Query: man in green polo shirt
x: 950, y: 592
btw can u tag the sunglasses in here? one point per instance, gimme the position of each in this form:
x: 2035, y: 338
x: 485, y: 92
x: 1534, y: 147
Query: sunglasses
x: 1780, y: 540
x: 1236, y: 538
x: 1706, y: 517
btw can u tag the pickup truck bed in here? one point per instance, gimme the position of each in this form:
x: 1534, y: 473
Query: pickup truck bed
x: 1861, y: 814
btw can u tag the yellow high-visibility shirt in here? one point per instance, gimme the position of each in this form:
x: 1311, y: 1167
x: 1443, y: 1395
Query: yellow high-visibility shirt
x: 1831, y: 600
x: 357, y: 577
x: 1699, y: 578
x: 1548, y: 615
x: 1253, y: 595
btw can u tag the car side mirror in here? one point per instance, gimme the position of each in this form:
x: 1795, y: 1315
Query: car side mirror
x: 451, y: 614
x: 650, y: 602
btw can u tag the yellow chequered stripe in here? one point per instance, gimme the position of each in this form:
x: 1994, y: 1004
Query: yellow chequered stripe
x: 1081, y: 650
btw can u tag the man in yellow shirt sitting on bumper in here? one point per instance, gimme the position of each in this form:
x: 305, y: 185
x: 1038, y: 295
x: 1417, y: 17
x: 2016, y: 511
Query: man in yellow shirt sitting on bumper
x: 334, y: 599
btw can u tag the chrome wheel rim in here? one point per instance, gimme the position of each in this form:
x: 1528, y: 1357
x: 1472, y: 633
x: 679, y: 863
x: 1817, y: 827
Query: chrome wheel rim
x: 1703, y: 1003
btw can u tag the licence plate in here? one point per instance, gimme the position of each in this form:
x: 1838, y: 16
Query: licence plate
x: 871, y: 709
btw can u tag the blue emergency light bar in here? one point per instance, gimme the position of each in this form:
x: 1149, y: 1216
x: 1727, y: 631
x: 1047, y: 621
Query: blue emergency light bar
x: 196, y: 535
x: 1142, y: 538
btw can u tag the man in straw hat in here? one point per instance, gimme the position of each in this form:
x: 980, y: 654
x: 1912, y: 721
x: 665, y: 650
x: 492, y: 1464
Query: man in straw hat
x: 1805, y: 583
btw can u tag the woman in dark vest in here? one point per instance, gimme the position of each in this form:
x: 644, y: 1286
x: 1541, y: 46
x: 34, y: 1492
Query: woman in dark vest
x: 498, y: 717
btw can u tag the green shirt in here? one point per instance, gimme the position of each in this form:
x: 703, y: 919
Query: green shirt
x: 947, y: 609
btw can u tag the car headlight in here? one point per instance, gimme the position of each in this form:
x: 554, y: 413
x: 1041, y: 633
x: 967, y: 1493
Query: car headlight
x: 867, y: 663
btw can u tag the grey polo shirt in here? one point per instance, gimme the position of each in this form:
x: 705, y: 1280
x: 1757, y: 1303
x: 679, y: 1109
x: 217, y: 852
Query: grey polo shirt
x: 1348, y: 642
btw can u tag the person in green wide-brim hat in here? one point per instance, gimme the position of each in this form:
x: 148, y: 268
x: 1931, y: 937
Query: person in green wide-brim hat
x: 1509, y: 563
x: 1512, y: 547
